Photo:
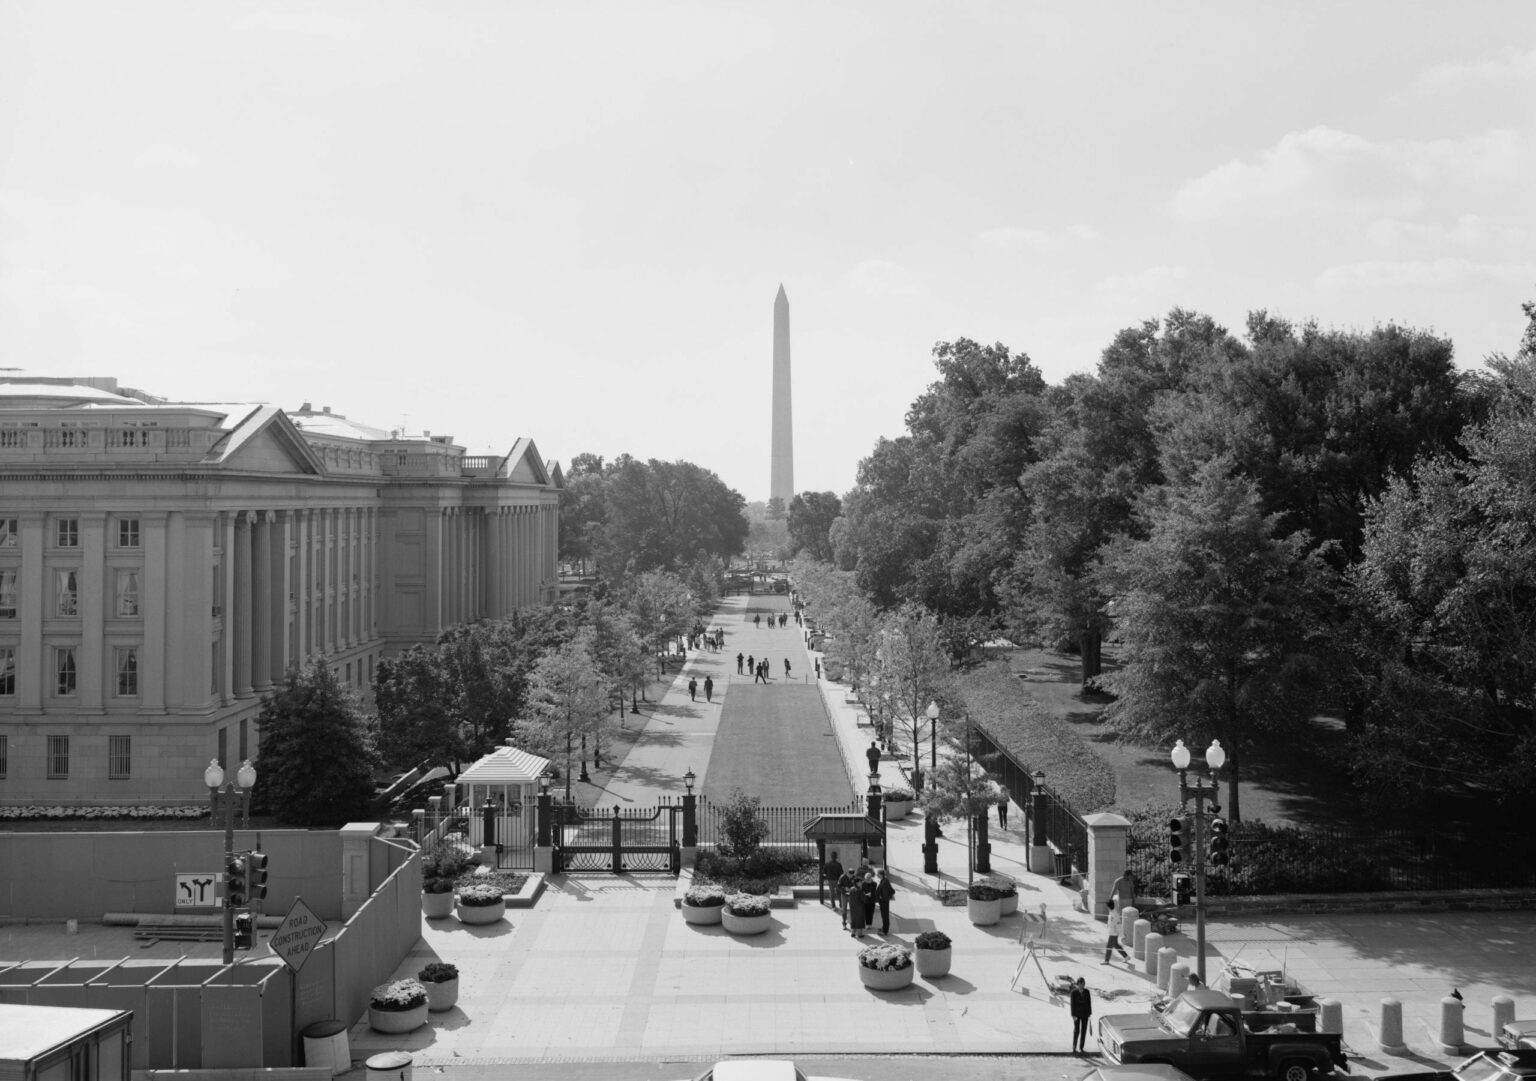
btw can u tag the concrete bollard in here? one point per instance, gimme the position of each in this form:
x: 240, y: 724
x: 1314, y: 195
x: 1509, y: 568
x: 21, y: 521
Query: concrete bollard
x: 1330, y: 1016
x: 1128, y: 916
x: 1147, y: 946
x: 1165, y: 958
x: 1178, y: 979
x: 1452, y: 1016
x: 1139, y: 932
x: 1391, y: 1038
x: 1503, y: 1014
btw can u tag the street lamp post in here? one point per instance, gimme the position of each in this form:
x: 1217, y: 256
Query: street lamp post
x: 1205, y: 796
x: 229, y: 798
x: 933, y: 736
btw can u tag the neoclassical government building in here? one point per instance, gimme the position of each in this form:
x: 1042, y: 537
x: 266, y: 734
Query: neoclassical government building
x: 162, y: 564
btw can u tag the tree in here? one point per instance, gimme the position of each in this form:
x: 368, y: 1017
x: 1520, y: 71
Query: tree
x: 913, y: 671
x: 1221, y: 619
x: 661, y: 606
x: 663, y: 515
x: 959, y: 790
x: 618, y: 649
x: 566, y: 702
x: 416, y: 718
x: 316, y: 757
x: 776, y: 509
x: 811, y: 515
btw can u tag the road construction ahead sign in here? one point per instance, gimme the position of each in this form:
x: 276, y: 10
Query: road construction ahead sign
x: 301, y: 932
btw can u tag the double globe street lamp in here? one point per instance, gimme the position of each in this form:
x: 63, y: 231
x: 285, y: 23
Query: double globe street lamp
x: 229, y: 797
x: 1206, y: 798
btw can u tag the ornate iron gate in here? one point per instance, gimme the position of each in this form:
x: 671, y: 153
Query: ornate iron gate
x: 514, y: 836
x: 632, y: 842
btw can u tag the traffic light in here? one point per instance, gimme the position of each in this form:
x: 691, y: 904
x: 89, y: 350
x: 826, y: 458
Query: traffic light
x: 235, y: 887
x: 1183, y: 889
x: 245, y: 930
x: 256, y: 876
x: 1176, y: 840
x: 1219, y: 850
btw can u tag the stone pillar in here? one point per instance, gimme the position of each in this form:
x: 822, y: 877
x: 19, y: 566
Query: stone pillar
x: 1503, y: 1013
x: 356, y: 838
x: 94, y: 671
x: 261, y: 556
x: 1452, y: 1025
x: 1166, y: 956
x: 1148, y: 946
x: 1040, y: 859
x: 226, y: 608
x: 302, y: 596
x: 34, y: 664
x: 1108, y: 836
x: 239, y: 620
x: 1178, y: 979
x: 153, y: 609
x: 1391, y: 1028
x: 1330, y: 1016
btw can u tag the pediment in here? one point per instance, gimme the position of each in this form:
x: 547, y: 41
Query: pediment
x: 266, y: 441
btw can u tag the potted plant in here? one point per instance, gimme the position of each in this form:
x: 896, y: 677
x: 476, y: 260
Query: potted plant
x: 885, y: 967
x: 442, y: 983
x: 396, y: 1007
x: 932, y: 952
x: 703, y: 904
x: 441, y: 865
x: 898, y: 802
x: 746, y: 914
x: 481, y: 904
x: 984, y: 904
x: 1007, y: 892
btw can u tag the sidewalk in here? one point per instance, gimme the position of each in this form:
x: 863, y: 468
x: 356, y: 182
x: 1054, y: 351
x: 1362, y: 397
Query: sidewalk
x: 604, y: 967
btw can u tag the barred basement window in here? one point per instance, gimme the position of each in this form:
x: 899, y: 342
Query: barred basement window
x: 58, y: 758
x: 119, y: 757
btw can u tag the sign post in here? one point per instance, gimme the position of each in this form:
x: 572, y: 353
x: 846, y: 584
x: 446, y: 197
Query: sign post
x: 300, y: 932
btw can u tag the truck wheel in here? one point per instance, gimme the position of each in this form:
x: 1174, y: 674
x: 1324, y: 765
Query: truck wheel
x: 1295, y: 1069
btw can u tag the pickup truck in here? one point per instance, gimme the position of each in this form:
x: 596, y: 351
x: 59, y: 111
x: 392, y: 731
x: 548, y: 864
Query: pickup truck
x: 1204, y: 1032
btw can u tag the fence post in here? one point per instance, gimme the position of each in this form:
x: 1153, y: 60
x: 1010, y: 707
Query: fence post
x: 1108, y: 842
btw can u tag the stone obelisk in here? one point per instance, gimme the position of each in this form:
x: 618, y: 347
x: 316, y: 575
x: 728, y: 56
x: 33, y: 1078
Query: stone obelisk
x: 781, y: 483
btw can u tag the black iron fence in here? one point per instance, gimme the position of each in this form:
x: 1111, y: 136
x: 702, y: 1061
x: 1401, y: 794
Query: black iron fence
x: 1063, y: 827
x: 786, y: 825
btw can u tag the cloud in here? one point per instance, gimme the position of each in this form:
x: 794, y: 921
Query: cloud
x: 1506, y: 65
x: 882, y: 278
x: 1323, y: 171
x: 1016, y: 238
x: 1436, y: 273
x: 166, y: 156
x: 1154, y: 281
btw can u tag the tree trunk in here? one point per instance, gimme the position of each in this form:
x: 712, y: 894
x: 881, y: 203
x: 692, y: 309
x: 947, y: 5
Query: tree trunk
x: 1090, y: 646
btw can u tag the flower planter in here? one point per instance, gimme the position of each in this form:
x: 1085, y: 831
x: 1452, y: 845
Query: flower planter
x: 394, y: 1022
x: 1010, y: 905
x: 442, y: 995
x: 983, y: 913
x: 702, y: 914
x: 437, y: 906
x: 746, y: 925
x: 897, y: 808
x: 931, y: 963
x: 891, y: 979
x: 481, y: 913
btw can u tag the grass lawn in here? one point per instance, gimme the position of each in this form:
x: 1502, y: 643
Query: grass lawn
x: 776, y: 742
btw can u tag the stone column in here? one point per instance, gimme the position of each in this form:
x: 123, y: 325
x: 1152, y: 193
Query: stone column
x: 152, y: 609
x: 432, y: 580
x: 303, y: 610
x: 1108, y: 837
x: 226, y: 608
x: 285, y: 591
x: 356, y: 843
x: 34, y: 665
x: 239, y: 621
x: 93, y: 667
x: 261, y: 557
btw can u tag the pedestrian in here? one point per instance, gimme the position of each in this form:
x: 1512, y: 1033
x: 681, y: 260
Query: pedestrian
x: 833, y: 873
x: 1002, y: 806
x: 1123, y: 892
x: 1114, y: 937
x: 1082, y: 1009
x: 693, y: 689
x: 884, y: 891
x: 818, y: 667
x: 845, y: 887
x: 783, y: 621
x: 786, y: 667
x: 752, y: 663
x: 739, y: 669
x: 757, y: 621
x: 709, y: 688
x: 857, y: 920
x: 872, y: 756
x: 867, y: 896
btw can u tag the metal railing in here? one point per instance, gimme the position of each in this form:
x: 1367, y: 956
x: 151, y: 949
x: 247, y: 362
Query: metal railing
x: 786, y: 825
x: 1064, y: 828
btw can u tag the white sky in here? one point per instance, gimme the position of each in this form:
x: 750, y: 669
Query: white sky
x: 568, y: 220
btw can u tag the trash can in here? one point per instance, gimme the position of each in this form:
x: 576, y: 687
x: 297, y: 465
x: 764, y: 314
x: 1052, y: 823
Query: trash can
x: 1063, y: 867
x: 390, y: 1066
x: 325, y: 1044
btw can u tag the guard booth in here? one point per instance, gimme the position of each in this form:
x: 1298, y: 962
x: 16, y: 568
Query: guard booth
x: 849, y: 837
x: 501, y: 793
x: 64, y: 1043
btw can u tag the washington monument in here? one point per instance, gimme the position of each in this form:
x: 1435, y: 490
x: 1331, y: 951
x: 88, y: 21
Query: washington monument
x: 782, y: 480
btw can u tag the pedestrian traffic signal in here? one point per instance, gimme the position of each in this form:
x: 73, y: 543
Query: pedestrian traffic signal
x: 1183, y: 889
x: 1219, y: 850
x: 1176, y: 840
x: 235, y: 888
x: 256, y: 875
x: 245, y: 930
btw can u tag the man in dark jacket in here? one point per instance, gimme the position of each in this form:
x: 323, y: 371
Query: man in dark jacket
x: 872, y: 756
x: 1082, y: 1009
x: 884, y: 891
x: 833, y: 873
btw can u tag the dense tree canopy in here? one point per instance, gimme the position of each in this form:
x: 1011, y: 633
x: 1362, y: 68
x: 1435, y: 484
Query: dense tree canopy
x: 315, y: 766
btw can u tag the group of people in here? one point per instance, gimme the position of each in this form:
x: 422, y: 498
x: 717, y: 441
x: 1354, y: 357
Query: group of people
x: 712, y: 640
x: 693, y: 689
x: 857, y: 893
x: 782, y: 618
x: 760, y: 668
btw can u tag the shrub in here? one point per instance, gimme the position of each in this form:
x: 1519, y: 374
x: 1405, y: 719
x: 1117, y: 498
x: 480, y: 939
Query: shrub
x: 899, y: 794
x: 984, y: 891
x: 1003, y: 886
x: 933, y: 940
x: 742, y: 828
x: 480, y: 896
x: 438, y: 972
x: 704, y: 896
x: 746, y: 904
x: 399, y: 995
x: 885, y: 957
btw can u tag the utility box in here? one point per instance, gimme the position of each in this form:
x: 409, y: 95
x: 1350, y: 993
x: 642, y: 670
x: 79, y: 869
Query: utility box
x: 64, y: 1043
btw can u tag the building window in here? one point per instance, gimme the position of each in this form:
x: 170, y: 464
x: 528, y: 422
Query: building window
x: 69, y: 532
x: 64, y: 670
x: 127, y: 593
x: 127, y: 532
x: 7, y: 594
x: 119, y: 757
x: 127, y: 671
x: 7, y: 670
x: 58, y: 757
x: 5, y: 755
x: 7, y: 532
x: 67, y: 592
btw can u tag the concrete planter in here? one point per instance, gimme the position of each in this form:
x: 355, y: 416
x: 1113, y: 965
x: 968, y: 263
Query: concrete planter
x: 745, y: 925
x: 897, y: 808
x: 887, y: 979
x: 983, y: 913
x: 1010, y: 905
x: 702, y: 915
x: 481, y: 913
x: 931, y: 963
x: 442, y: 995
x: 437, y: 906
x: 395, y: 1022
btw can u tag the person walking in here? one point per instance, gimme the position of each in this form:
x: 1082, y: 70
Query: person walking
x: 693, y: 689
x: 1002, y: 806
x: 740, y: 670
x: 818, y: 667
x: 1081, y: 1000
x: 884, y: 891
x: 752, y: 664
x: 1114, y: 936
x: 709, y: 688
x: 757, y: 621
x: 867, y: 896
x: 855, y: 906
x: 872, y: 756
x: 786, y: 667
x: 832, y: 872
